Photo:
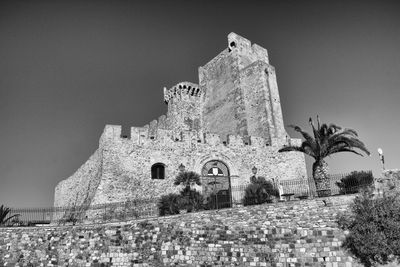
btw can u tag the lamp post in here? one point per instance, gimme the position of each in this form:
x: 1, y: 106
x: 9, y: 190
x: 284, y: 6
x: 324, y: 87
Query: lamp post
x: 181, y: 168
x: 254, y: 177
x: 382, y: 158
x: 254, y: 170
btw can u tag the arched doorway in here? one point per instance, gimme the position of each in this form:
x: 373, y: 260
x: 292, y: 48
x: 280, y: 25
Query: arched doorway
x: 216, y: 184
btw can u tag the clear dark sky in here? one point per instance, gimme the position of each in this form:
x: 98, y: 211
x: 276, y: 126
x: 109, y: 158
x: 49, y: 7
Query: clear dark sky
x: 68, y: 68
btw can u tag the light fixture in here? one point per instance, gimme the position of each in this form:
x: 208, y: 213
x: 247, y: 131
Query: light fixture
x: 181, y: 168
x: 254, y: 170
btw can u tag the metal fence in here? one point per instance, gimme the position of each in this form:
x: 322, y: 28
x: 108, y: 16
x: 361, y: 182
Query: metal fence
x: 145, y: 208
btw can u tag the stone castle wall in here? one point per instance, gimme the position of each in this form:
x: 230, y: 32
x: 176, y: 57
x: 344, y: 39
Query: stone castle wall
x: 297, y: 233
x: 127, y: 162
x: 80, y: 188
x: 120, y: 169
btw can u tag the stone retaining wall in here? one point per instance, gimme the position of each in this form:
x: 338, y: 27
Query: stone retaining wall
x: 296, y: 233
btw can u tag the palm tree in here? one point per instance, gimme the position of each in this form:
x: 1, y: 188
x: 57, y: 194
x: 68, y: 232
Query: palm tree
x: 327, y: 140
x: 187, y: 179
x: 190, y: 199
x: 4, y: 212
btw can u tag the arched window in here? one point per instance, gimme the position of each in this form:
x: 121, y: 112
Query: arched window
x: 158, y: 171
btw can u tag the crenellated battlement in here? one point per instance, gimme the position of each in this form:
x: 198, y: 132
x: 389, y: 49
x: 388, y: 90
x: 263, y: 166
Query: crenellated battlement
x: 182, y: 89
x: 148, y: 136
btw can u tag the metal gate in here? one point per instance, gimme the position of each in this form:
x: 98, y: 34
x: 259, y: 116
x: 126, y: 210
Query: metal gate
x: 216, y: 184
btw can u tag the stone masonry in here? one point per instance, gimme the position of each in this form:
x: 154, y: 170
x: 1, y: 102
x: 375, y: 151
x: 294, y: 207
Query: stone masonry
x: 232, y: 116
x: 295, y: 233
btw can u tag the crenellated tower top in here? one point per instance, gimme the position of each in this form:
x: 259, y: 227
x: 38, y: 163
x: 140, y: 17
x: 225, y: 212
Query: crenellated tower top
x: 182, y: 90
x: 184, y: 107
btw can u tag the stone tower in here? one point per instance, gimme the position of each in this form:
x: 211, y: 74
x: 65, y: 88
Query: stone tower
x: 184, y: 107
x: 240, y: 93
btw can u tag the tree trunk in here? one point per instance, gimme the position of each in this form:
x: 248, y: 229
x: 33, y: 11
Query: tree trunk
x: 321, y: 178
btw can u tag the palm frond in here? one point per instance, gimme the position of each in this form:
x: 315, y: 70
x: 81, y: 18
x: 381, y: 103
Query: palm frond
x: 323, y: 130
x: 337, y: 150
x: 333, y: 128
x: 333, y: 144
x: 9, y: 218
x: 347, y: 143
x: 306, y: 135
x: 310, y: 149
x: 346, y: 131
x: 291, y: 148
x: 328, y: 139
x: 356, y: 143
x: 315, y: 131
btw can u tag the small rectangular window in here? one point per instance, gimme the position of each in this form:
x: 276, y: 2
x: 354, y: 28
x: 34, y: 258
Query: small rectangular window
x: 158, y: 171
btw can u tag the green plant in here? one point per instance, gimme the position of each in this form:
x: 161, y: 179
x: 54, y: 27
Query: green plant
x: 191, y: 200
x: 187, y: 179
x: 169, y: 204
x: 5, y: 215
x: 373, y: 226
x: 356, y: 180
x: 259, y: 191
x: 327, y: 140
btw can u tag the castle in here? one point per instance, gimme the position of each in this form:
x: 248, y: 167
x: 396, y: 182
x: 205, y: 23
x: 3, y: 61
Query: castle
x: 221, y: 128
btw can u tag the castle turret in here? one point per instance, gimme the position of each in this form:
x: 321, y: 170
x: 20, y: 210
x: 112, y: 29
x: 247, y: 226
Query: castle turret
x: 184, y: 107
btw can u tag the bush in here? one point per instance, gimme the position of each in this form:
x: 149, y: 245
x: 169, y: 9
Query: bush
x: 191, y: 201
x: 259, y: 191
x: 353, y: 182
x: 374, y: 228
x: 187, y: 200
x: 169, y: 204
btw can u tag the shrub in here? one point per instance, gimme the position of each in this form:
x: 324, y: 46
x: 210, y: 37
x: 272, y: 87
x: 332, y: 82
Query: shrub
x: 353, y: 182
x: 169, y: 204
x: 193, y: 201
x: 373, y: 227
x: 259, y: 191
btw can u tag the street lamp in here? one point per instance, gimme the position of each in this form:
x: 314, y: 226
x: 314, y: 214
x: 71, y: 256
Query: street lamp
x: 181, y: 168
x: 254, y: 170
x: 382, y: 158
x: 253, y: 178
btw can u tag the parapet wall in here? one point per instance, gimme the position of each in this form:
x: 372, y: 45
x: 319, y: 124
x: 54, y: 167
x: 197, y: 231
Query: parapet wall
x: 142, y: 135
x: 297, y: 233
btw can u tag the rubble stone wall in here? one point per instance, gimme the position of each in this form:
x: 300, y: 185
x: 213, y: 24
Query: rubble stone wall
x: 127, y: 162
x: 80, y: 188
x: 296, y: 233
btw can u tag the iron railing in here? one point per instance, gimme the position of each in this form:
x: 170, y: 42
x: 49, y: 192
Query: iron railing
x: 145, y: 208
